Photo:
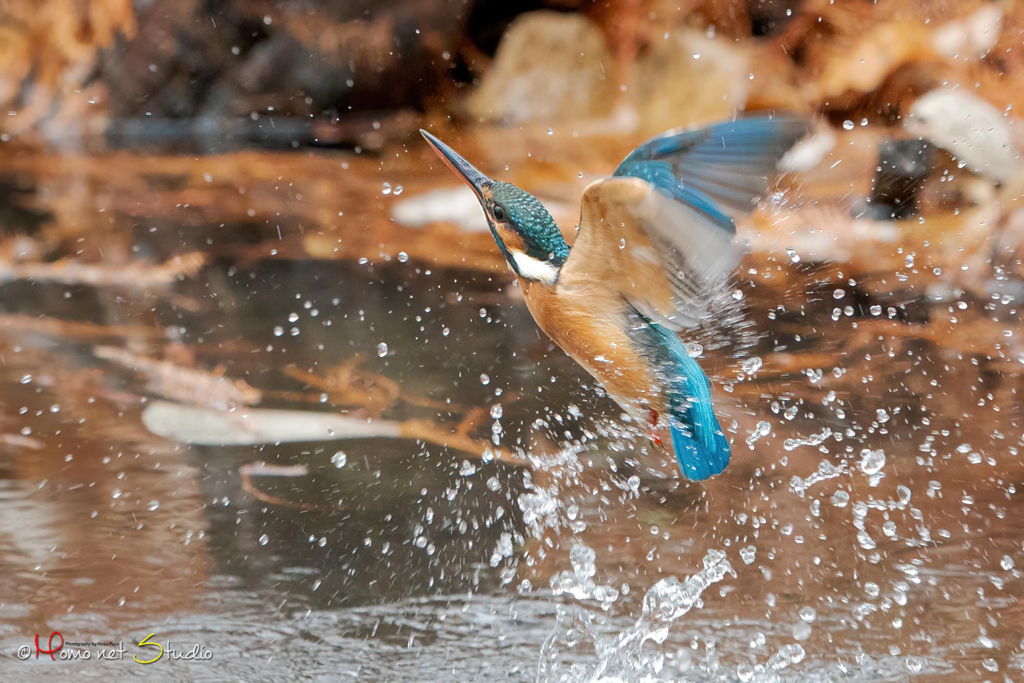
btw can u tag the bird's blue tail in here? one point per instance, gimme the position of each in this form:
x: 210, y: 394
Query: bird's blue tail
x: 699, y: 443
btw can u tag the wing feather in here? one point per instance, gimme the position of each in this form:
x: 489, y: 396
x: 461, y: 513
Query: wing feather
x: 664, y: 256
x: 661, y: 229
x: 730, y: 163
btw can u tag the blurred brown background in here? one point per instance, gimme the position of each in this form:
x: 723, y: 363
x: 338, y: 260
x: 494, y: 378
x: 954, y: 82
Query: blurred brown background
x: 337, y: 71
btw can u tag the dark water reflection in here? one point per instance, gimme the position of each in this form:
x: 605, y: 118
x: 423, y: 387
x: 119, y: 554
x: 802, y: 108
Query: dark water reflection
x: 871, y: 514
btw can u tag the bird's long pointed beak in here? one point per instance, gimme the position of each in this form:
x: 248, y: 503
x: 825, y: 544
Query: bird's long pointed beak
x: 462, y: 168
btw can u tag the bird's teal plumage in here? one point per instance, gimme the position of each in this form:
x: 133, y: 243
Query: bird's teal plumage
x: 543, y: 239
x: 699, y: 443
x: 723, y: 166
x: 680, y: 223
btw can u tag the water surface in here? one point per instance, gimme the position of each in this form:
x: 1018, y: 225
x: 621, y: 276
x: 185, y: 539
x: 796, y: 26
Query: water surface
x: 867, y: 528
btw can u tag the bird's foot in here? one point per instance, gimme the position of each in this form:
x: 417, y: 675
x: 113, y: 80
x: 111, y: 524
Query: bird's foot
x: 654, y: 436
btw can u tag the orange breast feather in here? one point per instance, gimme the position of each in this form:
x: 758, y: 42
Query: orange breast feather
x: 587, y: 323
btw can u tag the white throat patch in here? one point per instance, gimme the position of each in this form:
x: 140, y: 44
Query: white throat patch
x: 534, y: 269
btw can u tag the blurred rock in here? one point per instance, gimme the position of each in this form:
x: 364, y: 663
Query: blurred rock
x: 458, y: 206
x: 549, y: 68
x: 902, y: 167
x: 864, y: 66
x: 809, y: 152
x: 971, y: 37
x: 553, y: 68
x: 969, y: 128
x: 690, y: 79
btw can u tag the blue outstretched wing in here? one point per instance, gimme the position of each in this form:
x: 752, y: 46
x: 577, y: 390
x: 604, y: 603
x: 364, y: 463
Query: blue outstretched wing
x: 718, y: 170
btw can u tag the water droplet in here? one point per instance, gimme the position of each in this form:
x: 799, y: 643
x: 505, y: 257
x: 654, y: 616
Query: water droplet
x: 293, y: 317
x: 904, y: 494
x: 26, y: 379
x: 762, y: 429
x: 386, y: 189
x: 787, y: 654
x: 382, y: 349
x: 1006, y: 563
x: 871, y: 462
x: 402, y: 256
x: 793, y: 256
x: 116, y: 493
x: 496, y: 411
x: 839, y: 294
x: 339, y: 459
x: 278, y: 330
x: 153, y: 505
x: 264, y: 539
x: 808, y: 614
x: 398, y: 190
x: 484, y: 379
x: 583, y: 561
x: 748, y: 554
x: 847, y: 124
x: 752, y: 365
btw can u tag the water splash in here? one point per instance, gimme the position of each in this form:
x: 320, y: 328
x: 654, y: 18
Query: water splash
x: 812, y: 440
x: 826, y: 470
x: 579, y: 582
x: 634, y: 654
x: 762, y: 429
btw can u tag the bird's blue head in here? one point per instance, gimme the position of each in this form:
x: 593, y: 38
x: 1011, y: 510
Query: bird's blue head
x: 524, y: 230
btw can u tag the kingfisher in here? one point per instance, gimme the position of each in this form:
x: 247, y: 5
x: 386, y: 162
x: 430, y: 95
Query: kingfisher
x: 654, y: 250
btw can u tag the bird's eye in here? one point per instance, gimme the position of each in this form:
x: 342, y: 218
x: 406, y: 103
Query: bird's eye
x: 498, y: 213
